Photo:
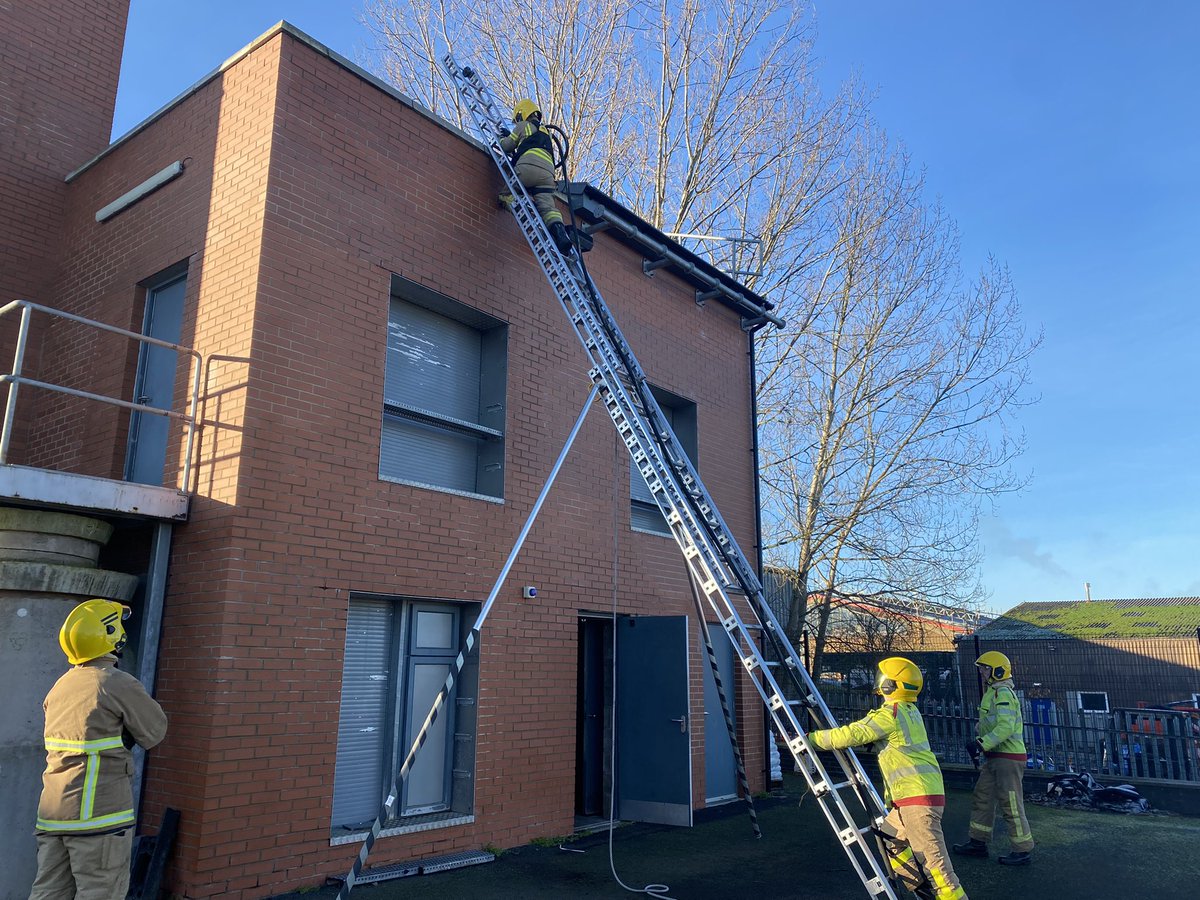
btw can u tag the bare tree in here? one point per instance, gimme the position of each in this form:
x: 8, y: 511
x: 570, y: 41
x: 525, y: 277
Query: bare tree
x: 887, y: 422
x: 886, y: 405
x: 701, y: 117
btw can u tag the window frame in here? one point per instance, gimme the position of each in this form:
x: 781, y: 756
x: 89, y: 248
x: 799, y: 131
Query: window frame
x: 683, y: 417
x: 399, y: 719
x: 487, y: 430
x: 1079, y: 695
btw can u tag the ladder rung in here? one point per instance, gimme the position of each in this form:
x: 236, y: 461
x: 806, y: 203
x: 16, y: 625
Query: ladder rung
x: 850, y: 836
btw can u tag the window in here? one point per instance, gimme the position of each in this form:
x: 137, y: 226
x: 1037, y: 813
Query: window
x: 443, y: 399
x: 398, y: 653
x: 644, y: 513
x: 1092, y: 701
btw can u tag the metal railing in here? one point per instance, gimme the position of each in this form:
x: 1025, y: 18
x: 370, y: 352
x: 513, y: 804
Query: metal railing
x: 15, y: 379
x: 1122, y: 743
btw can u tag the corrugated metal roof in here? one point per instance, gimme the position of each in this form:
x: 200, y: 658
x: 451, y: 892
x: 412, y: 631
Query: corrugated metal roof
x: 1155, y: 617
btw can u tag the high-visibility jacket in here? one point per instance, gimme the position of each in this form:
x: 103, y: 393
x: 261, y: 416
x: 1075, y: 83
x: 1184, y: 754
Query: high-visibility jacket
x: 92, y: 713
x: 527, y: 143
x: 1001, y: 726
x: 911, y: 775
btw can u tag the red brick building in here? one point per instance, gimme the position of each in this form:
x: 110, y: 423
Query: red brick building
x: 385, y: 381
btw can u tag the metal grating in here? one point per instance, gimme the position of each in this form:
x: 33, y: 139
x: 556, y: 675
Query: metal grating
x: 387, y: 873
x: 456, y: 861
x: 425, y: 866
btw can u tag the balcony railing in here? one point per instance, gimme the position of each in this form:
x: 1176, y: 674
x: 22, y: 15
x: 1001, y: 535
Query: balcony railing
x: 16, y: 379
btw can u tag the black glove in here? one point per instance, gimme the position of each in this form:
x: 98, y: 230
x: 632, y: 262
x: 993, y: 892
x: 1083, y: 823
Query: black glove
x: 503, y: 131
x: 975, y: 750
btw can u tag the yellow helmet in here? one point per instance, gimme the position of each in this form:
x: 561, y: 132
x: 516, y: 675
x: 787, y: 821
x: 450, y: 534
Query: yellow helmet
x: 899, y: 679
x: 995, y: 666
x: 525, y: 109
x: 93, y: 629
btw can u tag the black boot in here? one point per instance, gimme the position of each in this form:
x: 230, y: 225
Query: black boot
x: 1016, y: 858
x: 562, y: 240
x: 583, y: 242
x: 972, y: 847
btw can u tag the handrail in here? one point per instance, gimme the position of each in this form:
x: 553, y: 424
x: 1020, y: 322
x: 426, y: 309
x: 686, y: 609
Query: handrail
x: 15, y: 379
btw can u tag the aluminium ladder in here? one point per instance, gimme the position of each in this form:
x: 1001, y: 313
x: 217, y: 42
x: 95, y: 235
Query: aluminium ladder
x: 716, y: 564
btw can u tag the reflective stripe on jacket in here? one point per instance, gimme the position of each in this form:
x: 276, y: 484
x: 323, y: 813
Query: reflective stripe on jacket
x: 86, y: 788
x: 1001, y: 726
x: 527, y: 138
x: 911, y: 775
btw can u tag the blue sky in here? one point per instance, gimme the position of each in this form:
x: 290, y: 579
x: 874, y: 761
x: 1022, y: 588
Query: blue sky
x: 1063, y: 138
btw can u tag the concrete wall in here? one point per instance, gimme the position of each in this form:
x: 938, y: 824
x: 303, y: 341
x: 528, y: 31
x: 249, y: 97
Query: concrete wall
x: 47, y: 566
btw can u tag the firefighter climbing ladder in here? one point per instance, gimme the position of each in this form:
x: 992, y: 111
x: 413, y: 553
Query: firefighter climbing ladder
x: 716, y: 564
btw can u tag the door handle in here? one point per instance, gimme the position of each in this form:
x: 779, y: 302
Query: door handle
x: 682, y: 720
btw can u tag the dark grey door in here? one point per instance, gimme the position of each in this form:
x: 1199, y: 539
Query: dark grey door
x: 654, y: 761
x: 155, y: 384
x: 720, y: 768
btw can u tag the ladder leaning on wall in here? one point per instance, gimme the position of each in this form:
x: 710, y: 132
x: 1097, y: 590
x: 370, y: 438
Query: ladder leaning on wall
x: 716, y: 564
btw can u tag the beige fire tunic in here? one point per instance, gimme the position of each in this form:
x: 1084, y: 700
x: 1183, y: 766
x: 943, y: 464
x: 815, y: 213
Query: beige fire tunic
x: 92, y: 712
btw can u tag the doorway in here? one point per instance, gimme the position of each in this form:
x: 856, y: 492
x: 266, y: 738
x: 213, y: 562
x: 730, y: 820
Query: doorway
x: 593, y: 728
x: 652, y: 775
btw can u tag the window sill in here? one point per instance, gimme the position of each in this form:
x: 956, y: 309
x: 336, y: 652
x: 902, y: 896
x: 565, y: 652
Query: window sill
x: 488, y: 498
x: 429, y: 822
x: 661, y: 534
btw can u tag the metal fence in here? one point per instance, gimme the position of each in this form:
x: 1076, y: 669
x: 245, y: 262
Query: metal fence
x: 1138, y: 743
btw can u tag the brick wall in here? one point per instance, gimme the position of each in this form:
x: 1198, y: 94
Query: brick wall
x: 307, y: 188
x: 58, y: 85
x: 1131, y: 671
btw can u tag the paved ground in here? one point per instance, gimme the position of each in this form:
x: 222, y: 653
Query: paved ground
x: 1080, y: 856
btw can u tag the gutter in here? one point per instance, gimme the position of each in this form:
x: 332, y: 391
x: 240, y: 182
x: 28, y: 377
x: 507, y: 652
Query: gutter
x: 598, y: 215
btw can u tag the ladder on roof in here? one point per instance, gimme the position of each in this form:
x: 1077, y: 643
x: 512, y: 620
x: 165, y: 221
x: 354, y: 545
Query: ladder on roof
x: 716, y: 564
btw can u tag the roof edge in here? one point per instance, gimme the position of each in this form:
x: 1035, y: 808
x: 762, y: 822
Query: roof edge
x: 281, y: 27
x: 690, y: 266
x: 602, y: 212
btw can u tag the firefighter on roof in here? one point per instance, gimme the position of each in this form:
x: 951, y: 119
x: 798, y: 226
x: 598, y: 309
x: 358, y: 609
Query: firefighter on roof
x: 94, y: 714
x: 1001, y: 743
x: 532, y: 152
x: 912, y: 781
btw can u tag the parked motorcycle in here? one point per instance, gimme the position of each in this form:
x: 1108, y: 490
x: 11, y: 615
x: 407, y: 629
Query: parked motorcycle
x: 1086, y: 790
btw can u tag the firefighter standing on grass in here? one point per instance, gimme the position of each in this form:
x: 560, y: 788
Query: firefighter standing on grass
x: 912, y: 780
x: 94, y: 714
x: 532, y: 152
x: 1001, y: 743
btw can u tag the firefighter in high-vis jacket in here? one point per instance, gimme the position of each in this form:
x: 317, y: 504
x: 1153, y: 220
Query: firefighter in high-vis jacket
x: 912, y: 780
x: 94, y: 714
x: 531, y: 149
x: 1001, y: 744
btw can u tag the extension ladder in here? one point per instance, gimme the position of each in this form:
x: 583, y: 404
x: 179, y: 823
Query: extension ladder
x: 716, y: 564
